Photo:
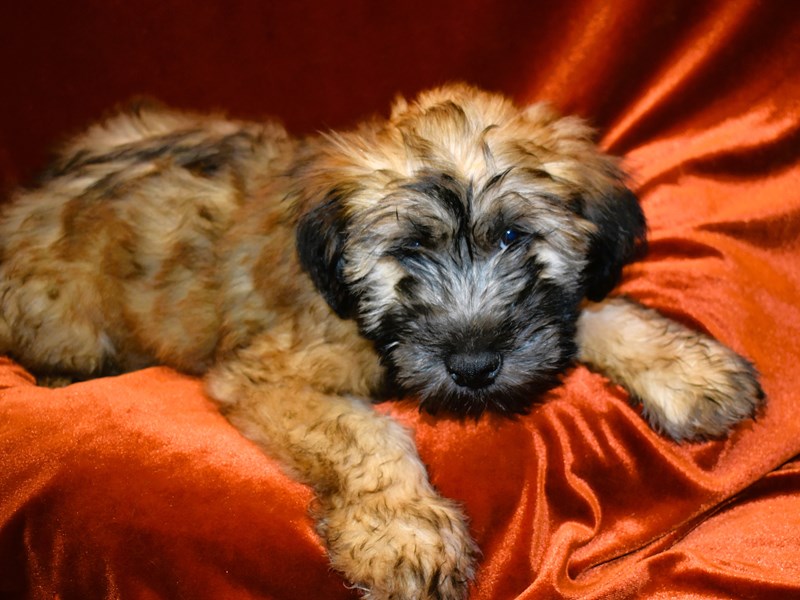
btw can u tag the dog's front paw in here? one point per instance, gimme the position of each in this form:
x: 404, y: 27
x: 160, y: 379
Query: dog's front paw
x: 415, y: 548
x: 691, y: 387
x: 700, y: 393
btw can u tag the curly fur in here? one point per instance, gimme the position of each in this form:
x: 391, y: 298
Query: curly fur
x: 446, y: 252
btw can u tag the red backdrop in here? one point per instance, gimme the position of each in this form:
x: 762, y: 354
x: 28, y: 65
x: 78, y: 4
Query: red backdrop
x: 134, y: 487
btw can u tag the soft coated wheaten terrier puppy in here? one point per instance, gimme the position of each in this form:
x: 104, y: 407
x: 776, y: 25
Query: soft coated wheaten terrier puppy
x: 449, y: 252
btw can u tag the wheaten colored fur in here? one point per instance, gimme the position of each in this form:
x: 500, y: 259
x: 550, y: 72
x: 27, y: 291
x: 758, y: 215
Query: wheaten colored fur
x: 456, y: 241
x: 694, y: 386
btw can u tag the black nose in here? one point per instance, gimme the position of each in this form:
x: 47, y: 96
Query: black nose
x: 473, y: 369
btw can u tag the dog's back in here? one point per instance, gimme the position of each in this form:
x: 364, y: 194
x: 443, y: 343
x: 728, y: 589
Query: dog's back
x: 108, y: 264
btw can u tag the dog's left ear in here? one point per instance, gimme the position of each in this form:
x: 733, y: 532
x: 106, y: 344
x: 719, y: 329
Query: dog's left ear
x: 321, y: 237
x: 619, y: 237
x: 600, y: 193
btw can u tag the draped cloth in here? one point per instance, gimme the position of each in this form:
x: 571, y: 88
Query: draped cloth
x: 135, y: 487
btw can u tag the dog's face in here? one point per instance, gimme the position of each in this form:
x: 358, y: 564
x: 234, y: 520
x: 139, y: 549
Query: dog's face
x: 462, y: 234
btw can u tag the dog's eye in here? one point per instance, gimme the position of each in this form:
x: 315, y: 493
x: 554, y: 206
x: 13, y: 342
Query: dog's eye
x: 406, y: 249
x: 508, y: 237
x: 411, y: 246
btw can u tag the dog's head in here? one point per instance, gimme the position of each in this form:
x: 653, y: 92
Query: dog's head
x: 462, y: 234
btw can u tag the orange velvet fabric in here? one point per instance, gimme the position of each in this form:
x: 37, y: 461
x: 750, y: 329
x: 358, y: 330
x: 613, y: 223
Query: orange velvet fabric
x: 134, y: 486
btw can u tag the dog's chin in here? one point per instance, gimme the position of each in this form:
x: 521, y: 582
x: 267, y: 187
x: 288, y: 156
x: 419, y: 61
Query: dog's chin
x: 495, y: 398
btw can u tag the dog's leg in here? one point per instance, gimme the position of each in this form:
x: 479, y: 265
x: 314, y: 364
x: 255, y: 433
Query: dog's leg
x: 385, y: 527
x: 690, y: 385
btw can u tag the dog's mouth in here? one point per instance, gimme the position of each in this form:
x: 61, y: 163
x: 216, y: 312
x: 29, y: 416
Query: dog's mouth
x: 487, y: 389
x: 509, y: 403
x: 468, y: 382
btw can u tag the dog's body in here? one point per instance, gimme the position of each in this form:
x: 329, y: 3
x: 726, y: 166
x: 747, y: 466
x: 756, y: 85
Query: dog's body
x: 445, y: 252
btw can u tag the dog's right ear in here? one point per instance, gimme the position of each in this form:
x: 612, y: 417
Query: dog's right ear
x: 321, y: 237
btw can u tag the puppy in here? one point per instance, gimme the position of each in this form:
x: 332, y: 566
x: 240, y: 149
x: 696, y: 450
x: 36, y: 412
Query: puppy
x: 458, y: 251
